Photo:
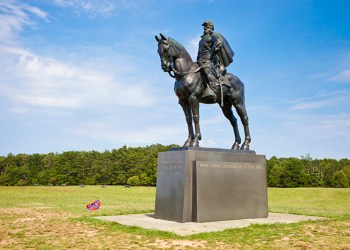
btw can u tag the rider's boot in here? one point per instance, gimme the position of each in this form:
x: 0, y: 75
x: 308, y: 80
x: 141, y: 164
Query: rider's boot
x: 213, y: 84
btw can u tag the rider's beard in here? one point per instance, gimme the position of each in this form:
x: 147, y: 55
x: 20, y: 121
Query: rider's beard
x: 208, y: 30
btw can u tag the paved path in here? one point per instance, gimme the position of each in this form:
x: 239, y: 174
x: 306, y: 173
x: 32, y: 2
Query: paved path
x: 148, y: 221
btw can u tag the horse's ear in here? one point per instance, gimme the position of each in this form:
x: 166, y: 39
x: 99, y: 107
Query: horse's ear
x: 157, y: 38
x: 163, y: 37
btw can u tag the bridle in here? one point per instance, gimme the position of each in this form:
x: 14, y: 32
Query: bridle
x: 171, y: 69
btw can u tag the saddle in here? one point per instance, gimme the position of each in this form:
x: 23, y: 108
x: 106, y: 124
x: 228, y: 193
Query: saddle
x: 212, y: 93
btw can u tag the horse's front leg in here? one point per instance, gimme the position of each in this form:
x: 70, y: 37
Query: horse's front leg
x: 188, y: 114
x: 194, y: 103
x: 242, y: 112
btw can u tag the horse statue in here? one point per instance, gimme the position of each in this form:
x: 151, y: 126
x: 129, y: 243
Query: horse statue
x: 190, y: 87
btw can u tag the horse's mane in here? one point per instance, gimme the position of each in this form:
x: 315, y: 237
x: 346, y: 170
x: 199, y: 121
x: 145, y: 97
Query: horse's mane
x: 176, y: 43
x: 179, y: 46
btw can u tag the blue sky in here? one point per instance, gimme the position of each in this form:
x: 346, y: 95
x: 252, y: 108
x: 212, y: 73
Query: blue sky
x: 85, y: 74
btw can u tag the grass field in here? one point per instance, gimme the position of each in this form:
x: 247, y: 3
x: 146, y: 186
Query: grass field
x: 56, y: 218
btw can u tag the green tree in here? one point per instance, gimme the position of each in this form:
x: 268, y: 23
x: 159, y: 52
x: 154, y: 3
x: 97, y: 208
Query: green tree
x: 133, y: 181
x: 274, y: 178
x: 340, y: 180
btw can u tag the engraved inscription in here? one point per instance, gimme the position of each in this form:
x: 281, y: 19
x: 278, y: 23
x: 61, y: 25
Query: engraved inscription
x: 235, y: 165
x: 170, y: 166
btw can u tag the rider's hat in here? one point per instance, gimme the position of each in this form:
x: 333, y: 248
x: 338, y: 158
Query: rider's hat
x: 208, y: 22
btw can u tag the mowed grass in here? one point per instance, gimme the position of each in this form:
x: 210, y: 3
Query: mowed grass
x: 114, y: 199
x: 328, y: 202
x: 55, y: 218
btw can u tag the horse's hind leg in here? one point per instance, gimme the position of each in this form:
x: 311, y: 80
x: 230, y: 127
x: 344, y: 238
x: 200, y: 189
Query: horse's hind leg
x: 242, y: 112
x: 227, y: 110
x: 188, y: 114
x: 194, y: 103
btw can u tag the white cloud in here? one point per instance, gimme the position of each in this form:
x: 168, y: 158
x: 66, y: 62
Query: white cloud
x: 49, y: 83
x: 192, y: 47
x: 297, y: 133
x: 343, y: 76
x: 94, y: 7
x: 319, y: 75
x: 31, y: 80
x: 112, y: 132
x: 37, y: 68
x: 279, y: 73
x: 315, y: 127
x: 312, y: 105
x: 46, y: 82
x: 335, y: 122
x: 18, y: 110
x: 336, y: 99
x: 215, y: 120
x: 210, y: 143
x: 38, y: 12
x: 14, y: 16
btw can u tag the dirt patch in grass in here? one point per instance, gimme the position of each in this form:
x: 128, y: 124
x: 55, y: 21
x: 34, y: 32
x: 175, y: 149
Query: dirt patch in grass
x: 178, y: 244
x: 330, y: 235
x: 24, y: 228
x: 35, y: 228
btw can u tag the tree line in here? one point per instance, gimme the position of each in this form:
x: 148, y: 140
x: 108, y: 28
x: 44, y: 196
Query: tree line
x: 308, y: 172
x: 138, y: 166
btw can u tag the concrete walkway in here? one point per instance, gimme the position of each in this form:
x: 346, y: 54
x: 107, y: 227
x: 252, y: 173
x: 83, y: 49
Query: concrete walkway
x: 149, y: 222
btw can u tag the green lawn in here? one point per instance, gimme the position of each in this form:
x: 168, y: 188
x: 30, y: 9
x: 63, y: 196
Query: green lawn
x: 114, y: 199
x: 329, y: 202
x: 55, y: 217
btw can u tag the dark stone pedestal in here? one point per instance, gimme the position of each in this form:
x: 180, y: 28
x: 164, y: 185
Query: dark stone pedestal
x: 203, y: 185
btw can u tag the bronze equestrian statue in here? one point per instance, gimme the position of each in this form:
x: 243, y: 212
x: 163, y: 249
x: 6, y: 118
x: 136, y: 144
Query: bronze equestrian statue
x: 205, y: 81
x: 214, y: 55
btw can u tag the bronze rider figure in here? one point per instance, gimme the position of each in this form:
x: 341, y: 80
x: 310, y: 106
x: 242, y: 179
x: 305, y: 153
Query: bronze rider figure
x: 214, y: 55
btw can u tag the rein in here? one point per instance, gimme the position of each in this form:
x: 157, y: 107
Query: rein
x: 185, y: 73
x: 182, y: 73
x: 178, y: 72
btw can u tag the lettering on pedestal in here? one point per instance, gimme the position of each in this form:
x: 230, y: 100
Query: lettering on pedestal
x: 233, y: 165
x: 172, y: 166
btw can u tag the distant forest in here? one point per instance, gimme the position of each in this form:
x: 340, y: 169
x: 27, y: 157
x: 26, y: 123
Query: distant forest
x: 138, y: 166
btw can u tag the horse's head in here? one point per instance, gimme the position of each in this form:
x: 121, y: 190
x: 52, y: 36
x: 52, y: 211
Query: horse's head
x: 166, y: 58
x: 174, y: 57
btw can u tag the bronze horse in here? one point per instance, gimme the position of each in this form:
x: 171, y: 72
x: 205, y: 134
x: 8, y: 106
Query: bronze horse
x: 190, y: 86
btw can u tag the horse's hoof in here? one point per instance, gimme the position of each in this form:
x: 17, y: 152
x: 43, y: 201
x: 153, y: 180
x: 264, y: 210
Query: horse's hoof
x: 188, y: 143
x: 235, y: 146
x: 195, y: 143
x: 245, y: 147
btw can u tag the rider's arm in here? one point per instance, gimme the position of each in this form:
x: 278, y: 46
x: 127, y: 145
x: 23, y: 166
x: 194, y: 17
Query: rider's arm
x: 217, y: 45
x: 198, y: 55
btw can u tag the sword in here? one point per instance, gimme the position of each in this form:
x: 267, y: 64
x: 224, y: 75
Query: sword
x: 222, y: 95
